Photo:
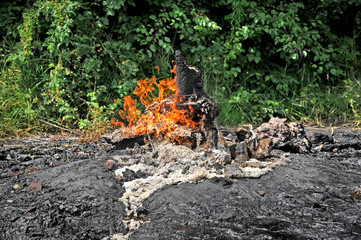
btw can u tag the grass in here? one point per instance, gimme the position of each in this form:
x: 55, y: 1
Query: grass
x: 313, y: 104
x: 22, y: 112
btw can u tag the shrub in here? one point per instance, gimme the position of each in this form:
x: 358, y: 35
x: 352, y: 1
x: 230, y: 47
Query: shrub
x: 65, y: 61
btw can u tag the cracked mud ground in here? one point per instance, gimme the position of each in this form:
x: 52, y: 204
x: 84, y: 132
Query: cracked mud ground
x: 66, y: 192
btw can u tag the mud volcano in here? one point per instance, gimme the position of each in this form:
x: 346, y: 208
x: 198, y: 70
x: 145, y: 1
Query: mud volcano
x: 276, y: 181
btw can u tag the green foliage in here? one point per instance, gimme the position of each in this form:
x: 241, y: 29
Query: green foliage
x: 16, y: 103
x: 65, y: 61
x: 283, y: 51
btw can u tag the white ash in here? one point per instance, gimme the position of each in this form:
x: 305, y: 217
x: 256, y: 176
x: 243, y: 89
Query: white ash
x: 170, y: 164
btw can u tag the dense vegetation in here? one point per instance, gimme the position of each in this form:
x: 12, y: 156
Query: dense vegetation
x: 65, y: 61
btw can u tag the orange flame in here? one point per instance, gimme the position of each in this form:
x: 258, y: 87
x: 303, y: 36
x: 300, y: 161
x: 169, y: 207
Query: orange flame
x: 163, y: 115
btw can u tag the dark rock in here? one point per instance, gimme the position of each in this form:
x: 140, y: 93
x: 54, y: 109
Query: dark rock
x: 287, y: 136
x: 142, y: 212
x: 226, y: 183
x: 36, y: 162
x: 242, y: 133
x: 13, y: 154
x: 185, y: 169
x: 140, y: 174
x: 128, y: 175
x: 319, y: 137
x: 241, y: 151
x: 277, y: 153
x: 218, y: 166
x: 3, y: 155
x: 261, y: 148
x: 354, y: 144
x: 232, y: 150
x: 310, y: 197
x: 121, y: 142
x: 316, y: 205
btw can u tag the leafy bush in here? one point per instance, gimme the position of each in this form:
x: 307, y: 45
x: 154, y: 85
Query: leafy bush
x: 65, y: 61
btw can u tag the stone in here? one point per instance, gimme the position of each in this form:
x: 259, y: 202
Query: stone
x: 241, y: 152
x: 261, y: 193
x: 287, y: 136
x: 220, y: 156
x: 261, y: 149
x: 3, y: 155
x: 231, y: 171
x: 243, y: 133
x: 35, y: 187
x: 319, y: 137
x: 125, y: 174
x: 110, y: 165
x: 356, y: 195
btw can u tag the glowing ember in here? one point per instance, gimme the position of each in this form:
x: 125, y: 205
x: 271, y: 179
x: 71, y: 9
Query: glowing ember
x: 163, y: 113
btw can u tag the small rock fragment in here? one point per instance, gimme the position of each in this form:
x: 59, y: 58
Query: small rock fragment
x: 13, y: 219
x: 262, y: 148
x: 185, y: 169
x: 220, y: 156
x: 35, y: 187
x: 261, y: 193
x: 356, y: 195
x: 16, y: 186
x: 241, y: 152
x: 125, y: 174
x: 200, y: 176
x: 110, y: 165
x: 25, y: 158
x: 231, y: 171
x: 142, y: 212
x: 242, y: 133
x: 319, y: 137
x: 3, y: 155
x: 31, y: 209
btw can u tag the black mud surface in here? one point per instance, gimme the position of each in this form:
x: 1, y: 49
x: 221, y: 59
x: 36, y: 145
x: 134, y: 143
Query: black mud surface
x: 309, y: 198
x: 66, y: 192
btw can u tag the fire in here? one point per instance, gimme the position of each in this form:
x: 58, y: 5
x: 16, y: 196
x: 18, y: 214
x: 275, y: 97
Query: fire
x: 164, y: 114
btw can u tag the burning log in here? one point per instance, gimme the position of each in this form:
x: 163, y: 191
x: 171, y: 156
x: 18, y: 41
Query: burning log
x: 188, y: 117
x: 189, y: 79
x: 192, y: 96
